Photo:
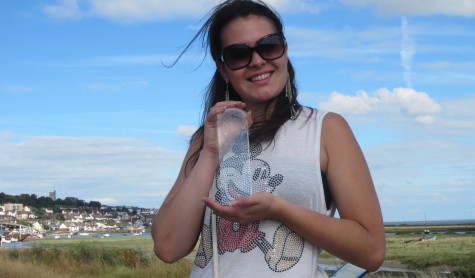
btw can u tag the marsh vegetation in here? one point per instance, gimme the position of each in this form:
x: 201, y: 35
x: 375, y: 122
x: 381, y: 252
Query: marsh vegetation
x: 450, y: 255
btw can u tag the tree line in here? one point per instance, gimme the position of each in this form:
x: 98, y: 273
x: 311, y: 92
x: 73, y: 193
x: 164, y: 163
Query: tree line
x: 33, y: 201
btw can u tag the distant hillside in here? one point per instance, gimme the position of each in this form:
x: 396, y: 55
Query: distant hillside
x: 46, y: 202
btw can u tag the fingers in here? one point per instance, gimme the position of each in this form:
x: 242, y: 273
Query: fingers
x: 220, y: 107
x: 209, y: 202
x: 244, y: 210
x: 257, y: 199
x: 230, y: 104
x: 241, y: 210
x: 240, y: 202
x: 223, y: 105
x: 226, y: 212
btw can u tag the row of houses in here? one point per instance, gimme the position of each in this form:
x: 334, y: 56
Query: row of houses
x: 18, y: 211
x: 79, y: 219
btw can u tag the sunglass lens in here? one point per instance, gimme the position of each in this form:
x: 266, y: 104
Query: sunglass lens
x: 237, y: 56
x: 271, y: 48
x: 270, y: 51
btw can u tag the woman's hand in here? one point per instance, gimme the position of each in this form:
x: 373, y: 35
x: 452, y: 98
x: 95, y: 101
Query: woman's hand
x: 210, y: 125
x: 245, y: 210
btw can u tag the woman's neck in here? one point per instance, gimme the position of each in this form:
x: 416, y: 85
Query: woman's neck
x: 261, y: 111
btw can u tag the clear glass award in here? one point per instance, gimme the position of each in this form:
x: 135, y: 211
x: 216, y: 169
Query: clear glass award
x: 234, y: 177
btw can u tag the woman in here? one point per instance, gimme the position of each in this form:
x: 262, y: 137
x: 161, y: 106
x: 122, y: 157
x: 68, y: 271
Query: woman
x: 306, y: 163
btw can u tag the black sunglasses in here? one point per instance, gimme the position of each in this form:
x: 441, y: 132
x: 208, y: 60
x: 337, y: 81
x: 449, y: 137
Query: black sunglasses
x: 238, y: 56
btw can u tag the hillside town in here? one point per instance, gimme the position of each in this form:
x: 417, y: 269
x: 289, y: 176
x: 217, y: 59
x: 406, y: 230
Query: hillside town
x: 69, y: 216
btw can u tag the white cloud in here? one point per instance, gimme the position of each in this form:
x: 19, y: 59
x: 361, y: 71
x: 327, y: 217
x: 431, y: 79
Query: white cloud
x: 66, y: 9
x: 423, y: 161
x: 419, y: 7
x: 106, y: 201
x: 15, y: 89
x: 186, y: 130
x: 426, y: 119
x: 129, y: 60
x: 359, y: 104
x: 458, y: 118
x: 126, y: 60
x: 365, y: 45
x: 444, y: 65
x: 379, y: 44
x: 413, y: 103
x: 407, y: 51
x: 148, y: 10
x: 116, y: 87
x: 119, y: 170
x: 128, y: 11
x: 295, y: 6
x: 152, y: 10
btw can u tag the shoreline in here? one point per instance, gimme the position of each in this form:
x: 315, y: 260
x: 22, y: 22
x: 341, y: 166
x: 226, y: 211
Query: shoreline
x: 452, y: 222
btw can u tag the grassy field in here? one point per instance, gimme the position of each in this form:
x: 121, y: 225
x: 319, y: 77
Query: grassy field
x: 92, y: 257
x: 133, y: 257
x: 142, y: 243
x: 451, y: 251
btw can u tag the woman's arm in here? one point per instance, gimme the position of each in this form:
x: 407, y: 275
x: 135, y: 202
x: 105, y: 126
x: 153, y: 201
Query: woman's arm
x: 358, y: 236
x: 178, y: 222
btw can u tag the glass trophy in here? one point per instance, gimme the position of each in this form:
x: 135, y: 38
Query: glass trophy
x: 233, y: 178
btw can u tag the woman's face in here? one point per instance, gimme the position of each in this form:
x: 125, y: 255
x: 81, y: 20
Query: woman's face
x: 261, y: 80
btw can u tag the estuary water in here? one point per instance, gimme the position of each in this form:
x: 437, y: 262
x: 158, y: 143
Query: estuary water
x: 430, y: 222
x: 29, y: 242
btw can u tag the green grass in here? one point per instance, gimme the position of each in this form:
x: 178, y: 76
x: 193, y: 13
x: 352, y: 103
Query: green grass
x: 88, y: 258
x: 144, y: 243
x: 134, y: 257
x: 456, y: 252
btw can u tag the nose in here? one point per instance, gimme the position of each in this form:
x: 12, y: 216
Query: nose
x: 256, y: 59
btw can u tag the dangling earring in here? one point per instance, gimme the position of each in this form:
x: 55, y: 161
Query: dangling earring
x: 288, y: 94
x: 226, y: 94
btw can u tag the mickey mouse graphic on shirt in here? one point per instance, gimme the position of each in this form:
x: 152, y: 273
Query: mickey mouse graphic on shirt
x: 286, y: 248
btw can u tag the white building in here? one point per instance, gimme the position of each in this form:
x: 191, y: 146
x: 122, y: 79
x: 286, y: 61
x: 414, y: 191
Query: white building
x: 13, y: 207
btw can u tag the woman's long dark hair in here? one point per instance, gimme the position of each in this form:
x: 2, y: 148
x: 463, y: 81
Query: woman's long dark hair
x: 210, y: 34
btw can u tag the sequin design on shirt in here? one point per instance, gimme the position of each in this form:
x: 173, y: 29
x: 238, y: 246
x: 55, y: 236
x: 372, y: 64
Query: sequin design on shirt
x: 286, y: 248
x: 205, y: 250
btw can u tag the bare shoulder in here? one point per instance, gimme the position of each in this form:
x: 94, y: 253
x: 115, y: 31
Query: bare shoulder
x: 338, y: 140
x: 334, y: 126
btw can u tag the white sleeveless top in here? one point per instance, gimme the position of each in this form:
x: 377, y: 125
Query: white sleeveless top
x: 290, y: 169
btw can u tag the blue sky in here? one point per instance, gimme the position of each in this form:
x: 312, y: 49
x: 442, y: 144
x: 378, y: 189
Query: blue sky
x: 88, y: 109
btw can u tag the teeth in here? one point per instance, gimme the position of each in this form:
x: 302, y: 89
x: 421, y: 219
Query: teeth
x: 260, y: 77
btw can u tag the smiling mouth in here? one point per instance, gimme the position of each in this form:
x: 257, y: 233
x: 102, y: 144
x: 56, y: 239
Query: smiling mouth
x: 260, y: 77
